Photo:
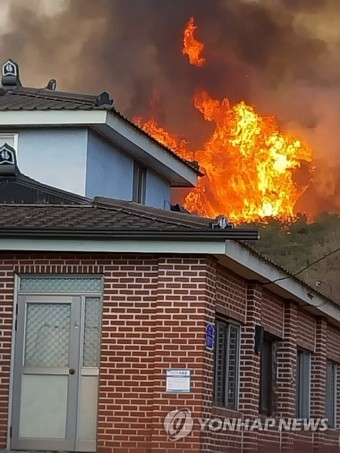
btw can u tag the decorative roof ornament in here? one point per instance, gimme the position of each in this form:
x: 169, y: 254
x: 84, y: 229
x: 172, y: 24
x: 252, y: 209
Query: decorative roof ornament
x: 52, y: 85
x: 104, y: 99
x: 10, y: 75
x: 8, y: 161
x: 221, y: 223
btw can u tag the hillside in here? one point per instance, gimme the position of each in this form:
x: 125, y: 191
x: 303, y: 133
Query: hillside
x: 297, y: 245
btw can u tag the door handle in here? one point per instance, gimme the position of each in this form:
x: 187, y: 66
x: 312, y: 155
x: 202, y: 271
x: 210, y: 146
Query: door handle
x: 72, y: 371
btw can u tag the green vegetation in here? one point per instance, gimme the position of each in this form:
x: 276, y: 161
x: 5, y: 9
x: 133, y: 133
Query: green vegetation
x: 295, y: 245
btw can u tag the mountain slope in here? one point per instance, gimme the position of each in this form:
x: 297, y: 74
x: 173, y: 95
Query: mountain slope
x: 299, y: 244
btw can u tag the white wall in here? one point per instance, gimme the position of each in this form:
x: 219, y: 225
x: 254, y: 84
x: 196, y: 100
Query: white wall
x: 56, y: 157
x: 109, y: 171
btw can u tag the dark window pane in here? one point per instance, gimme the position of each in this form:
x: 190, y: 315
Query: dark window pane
x: 139, y: 184
x: 266, y: 378
x: 232, y: 366
x: 331, y: 392
x: 226, y: 364
x: 220, y: 362
x: 302, y: 401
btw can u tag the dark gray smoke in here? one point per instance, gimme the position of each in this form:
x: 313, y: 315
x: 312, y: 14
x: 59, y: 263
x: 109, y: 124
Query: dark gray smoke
x: 280, y: 55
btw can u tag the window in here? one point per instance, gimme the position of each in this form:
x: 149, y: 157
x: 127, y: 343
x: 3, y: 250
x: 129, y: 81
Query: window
x: 268, y: 367
x: 226, y: 364
x: 139, y: 180
x: 10, y: 138
x: 303, y: 374
x: 331, y: 393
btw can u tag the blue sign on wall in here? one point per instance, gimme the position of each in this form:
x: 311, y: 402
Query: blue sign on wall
x: 210, y: 336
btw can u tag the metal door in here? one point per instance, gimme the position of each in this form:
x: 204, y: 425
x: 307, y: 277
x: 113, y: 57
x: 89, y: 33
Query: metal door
x: 47, y: 373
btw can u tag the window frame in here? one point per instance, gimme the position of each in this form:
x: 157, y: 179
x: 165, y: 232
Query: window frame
x: 334, y: 366
x: 303, y: 357
x: 271, y: 376
x: 223, y: 402
x: 12, y: 135
x: 139, y: 183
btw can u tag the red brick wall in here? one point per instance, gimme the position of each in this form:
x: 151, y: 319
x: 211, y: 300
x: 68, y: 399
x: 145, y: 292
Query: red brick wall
x: 333, y: 343
x: 6, y: 320
x: 231, y: 295
x: 306, y: 330
x: 155, y: 312
x: 272, y: 314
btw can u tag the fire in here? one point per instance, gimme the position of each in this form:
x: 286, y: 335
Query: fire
x: 172, y: 141
x: 191, y: 46
x: 250, y: 165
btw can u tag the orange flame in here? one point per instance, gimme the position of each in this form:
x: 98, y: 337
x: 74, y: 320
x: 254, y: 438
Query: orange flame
x: 191, y: 46
x: 251, y: 167
x: 171, y: 141
x: 249, y: 164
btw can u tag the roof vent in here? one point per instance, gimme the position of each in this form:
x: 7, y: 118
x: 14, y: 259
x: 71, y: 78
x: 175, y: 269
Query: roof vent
x: 10, y: 75
x: 8, y: 161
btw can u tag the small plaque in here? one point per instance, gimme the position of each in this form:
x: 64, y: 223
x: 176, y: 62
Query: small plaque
x: 178, y: 380
x: 210, y: 336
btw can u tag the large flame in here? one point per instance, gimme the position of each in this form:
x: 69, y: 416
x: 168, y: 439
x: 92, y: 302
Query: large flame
x: 250, y: 166
x: 191, y: 46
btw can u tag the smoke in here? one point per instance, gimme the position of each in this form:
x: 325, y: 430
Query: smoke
x: 280, y: 55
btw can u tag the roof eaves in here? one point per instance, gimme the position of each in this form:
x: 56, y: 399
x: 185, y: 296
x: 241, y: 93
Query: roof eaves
x: 147, y: 212
x: 194, y: 165
x: 289, y: 275
x: 151, y: 235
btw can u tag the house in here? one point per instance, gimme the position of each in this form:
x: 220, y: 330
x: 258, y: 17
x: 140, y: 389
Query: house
x: 127, y: 328
x: 83, y: 145
x: 109, y: 311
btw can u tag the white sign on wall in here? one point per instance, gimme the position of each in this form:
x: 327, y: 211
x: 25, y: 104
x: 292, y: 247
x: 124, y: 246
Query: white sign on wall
x: 178, y: 380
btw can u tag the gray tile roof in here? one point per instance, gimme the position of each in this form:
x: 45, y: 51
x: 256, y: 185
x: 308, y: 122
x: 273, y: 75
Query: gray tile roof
x: 23, y: 98
x: 20, y: 189
x: 105, y: 217
x: 89, y: 216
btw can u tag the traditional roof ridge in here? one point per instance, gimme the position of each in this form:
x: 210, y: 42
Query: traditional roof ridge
x: 46, y: 93
x: 154, y: 213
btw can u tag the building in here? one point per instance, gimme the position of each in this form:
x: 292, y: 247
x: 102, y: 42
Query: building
x: 125, y: 328
x: 81, y: 144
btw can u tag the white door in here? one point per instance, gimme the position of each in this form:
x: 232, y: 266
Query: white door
x: 56, y: 373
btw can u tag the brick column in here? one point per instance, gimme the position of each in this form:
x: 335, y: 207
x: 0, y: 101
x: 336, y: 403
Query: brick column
x: 318, y: 381
x: 207, y: 437
x: 6, y: 315
x: 181, y: 314
x: 250, y: 365
x: 286, y: 384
